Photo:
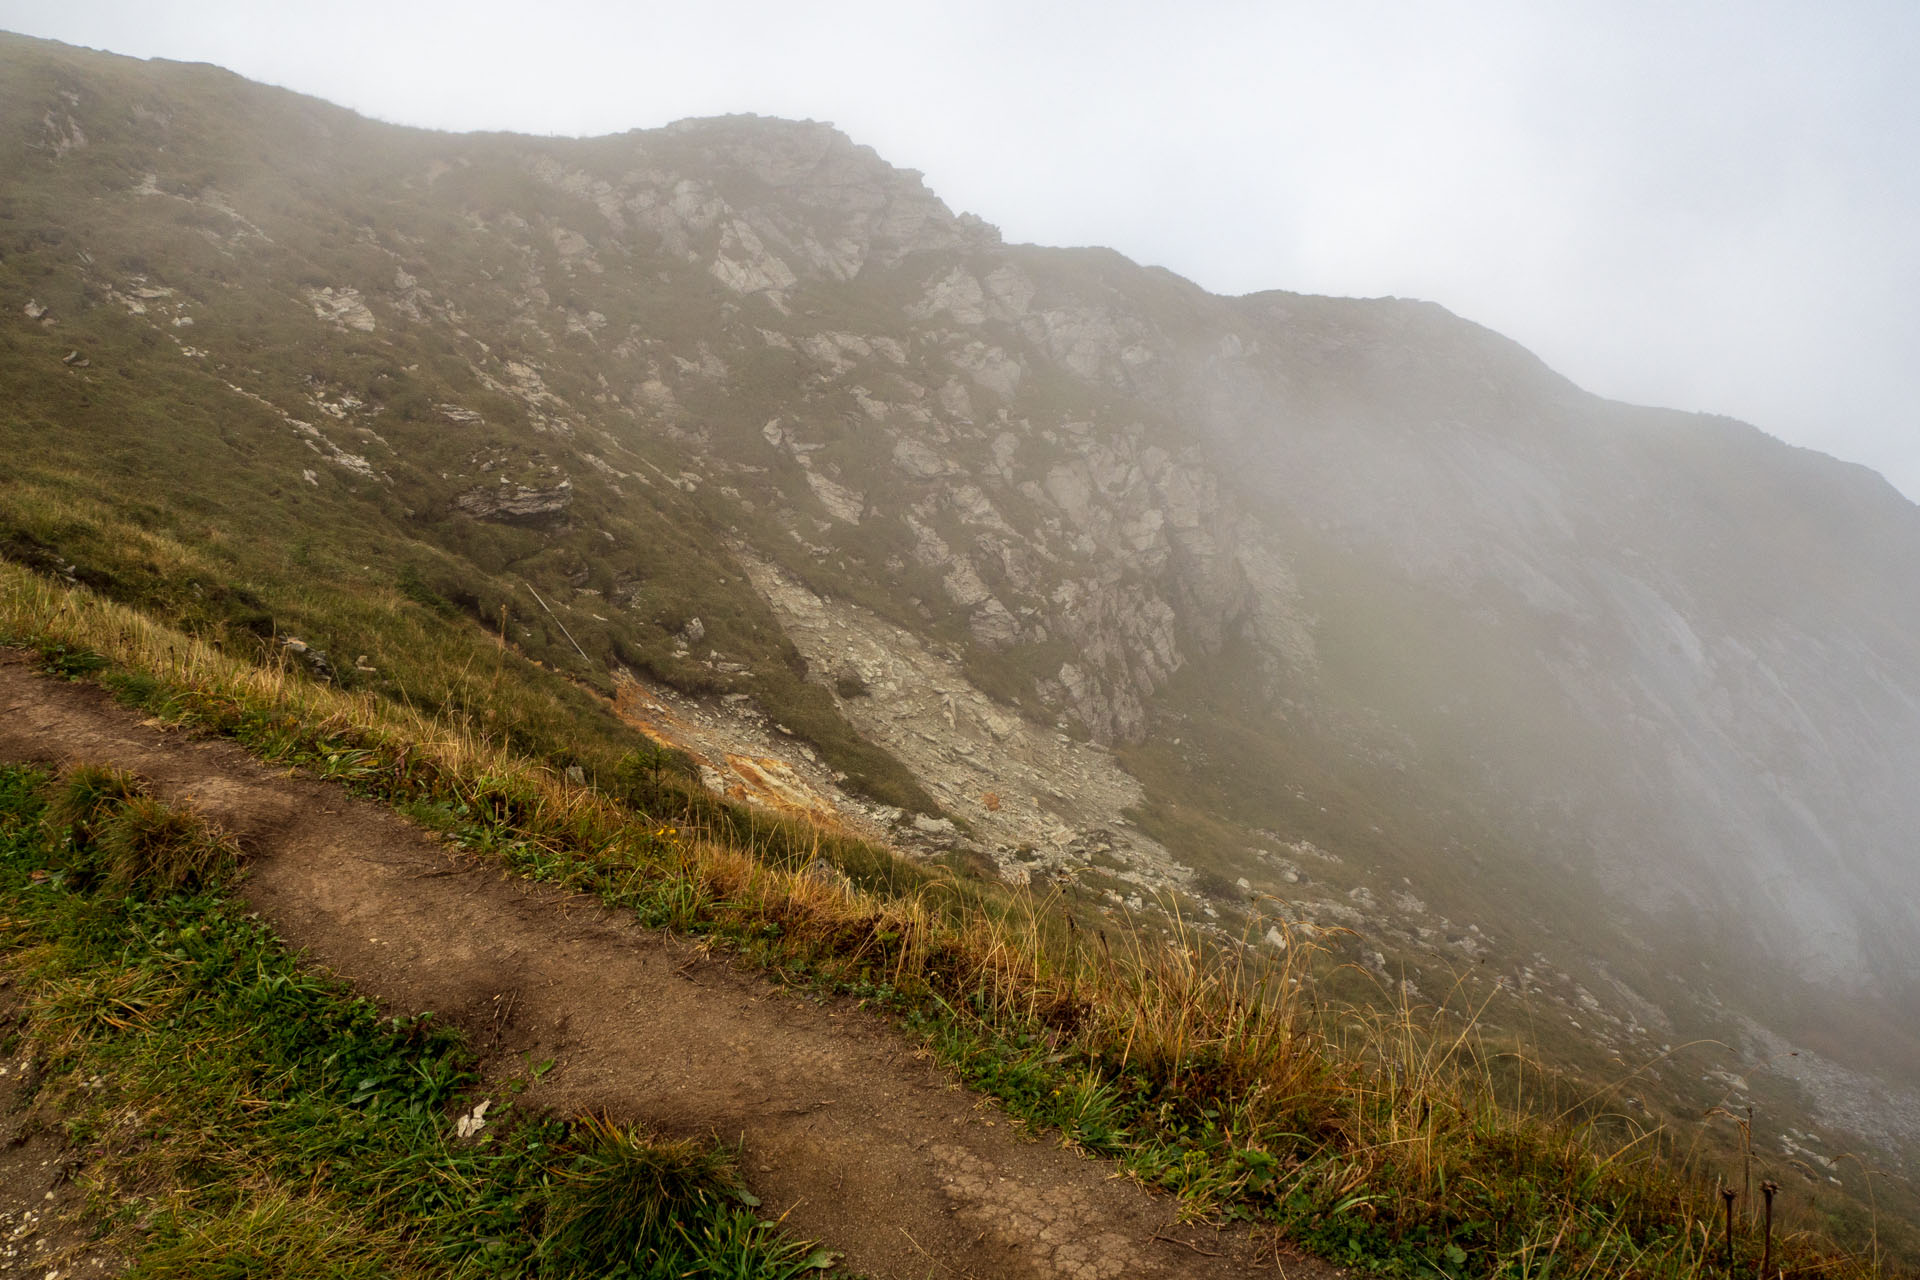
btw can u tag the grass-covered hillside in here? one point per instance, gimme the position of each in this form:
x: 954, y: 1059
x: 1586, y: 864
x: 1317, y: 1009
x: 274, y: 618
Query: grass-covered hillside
x: 219, y: 452
x: 1357, y: 625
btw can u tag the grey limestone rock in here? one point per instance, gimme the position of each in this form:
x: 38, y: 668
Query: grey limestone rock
x: 517, y: 504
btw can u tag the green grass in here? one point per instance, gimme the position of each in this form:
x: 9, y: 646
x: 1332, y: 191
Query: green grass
x: 1395, y: 1143
x: 257, y: 1119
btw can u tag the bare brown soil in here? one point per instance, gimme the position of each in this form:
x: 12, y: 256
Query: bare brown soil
x: 848, y: 1130
x: 44, y: 1226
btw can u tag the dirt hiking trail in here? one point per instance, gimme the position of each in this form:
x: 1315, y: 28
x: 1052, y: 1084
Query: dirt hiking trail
x: 848, y: 1130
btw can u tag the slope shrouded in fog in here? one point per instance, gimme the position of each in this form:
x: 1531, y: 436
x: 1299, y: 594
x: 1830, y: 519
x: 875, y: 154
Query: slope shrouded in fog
x: 1349, y: 601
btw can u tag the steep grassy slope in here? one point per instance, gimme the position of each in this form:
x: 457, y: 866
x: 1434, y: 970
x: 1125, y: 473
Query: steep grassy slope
x: 220, y: 462
x: 1489, y: 680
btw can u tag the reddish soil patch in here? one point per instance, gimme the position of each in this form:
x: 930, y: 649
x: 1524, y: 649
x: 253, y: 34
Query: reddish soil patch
x: 848, y: 1130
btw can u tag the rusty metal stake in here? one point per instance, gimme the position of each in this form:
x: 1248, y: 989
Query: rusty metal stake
x: 1746, y: 1162
x: 1728, y: 1195
x: 1767, y: 1189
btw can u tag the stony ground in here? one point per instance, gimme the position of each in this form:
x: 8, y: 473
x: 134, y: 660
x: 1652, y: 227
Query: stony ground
x: 45, y: 1229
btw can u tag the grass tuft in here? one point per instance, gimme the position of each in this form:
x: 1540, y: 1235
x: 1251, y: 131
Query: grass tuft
x: 93, y: 793
x: 279, y: 1234
x: 626, y: 1195
x: 154, y: 849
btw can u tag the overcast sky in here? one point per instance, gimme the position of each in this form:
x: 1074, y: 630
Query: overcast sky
x: 1704, y: 205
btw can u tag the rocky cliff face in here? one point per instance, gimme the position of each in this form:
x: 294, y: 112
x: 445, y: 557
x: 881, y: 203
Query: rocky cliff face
x: 1349, y: 601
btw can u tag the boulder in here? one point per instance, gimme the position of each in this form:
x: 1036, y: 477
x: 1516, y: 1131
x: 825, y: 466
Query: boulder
x: 517, y: 504
x: 313, y: 659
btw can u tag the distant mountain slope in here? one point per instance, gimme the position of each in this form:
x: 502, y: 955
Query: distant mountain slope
x: 1378, y: 613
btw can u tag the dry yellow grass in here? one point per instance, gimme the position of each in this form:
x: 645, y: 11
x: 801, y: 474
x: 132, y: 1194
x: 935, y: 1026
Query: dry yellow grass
x: 1216, y: 1070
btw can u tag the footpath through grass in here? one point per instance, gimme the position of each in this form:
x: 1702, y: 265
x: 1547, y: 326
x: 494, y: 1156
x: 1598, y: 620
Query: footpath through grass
x: 243, y: 1117
x: 1391, y: 1144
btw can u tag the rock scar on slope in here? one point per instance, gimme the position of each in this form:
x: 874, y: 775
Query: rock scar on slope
x: 847, y: 1129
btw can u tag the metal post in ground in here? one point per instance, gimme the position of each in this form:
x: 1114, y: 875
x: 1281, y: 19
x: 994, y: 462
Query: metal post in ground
x: 1767, y: 1189
x: 1728, y: 1196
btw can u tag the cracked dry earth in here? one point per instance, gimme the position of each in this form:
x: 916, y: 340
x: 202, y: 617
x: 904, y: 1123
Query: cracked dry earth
x: 849, y: 1131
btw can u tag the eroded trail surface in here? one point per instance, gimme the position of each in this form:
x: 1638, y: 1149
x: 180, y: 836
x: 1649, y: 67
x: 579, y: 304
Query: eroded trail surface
x: 851, y: 1132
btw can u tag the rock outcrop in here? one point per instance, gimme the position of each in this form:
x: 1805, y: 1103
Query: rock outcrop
x: 516, y: 503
